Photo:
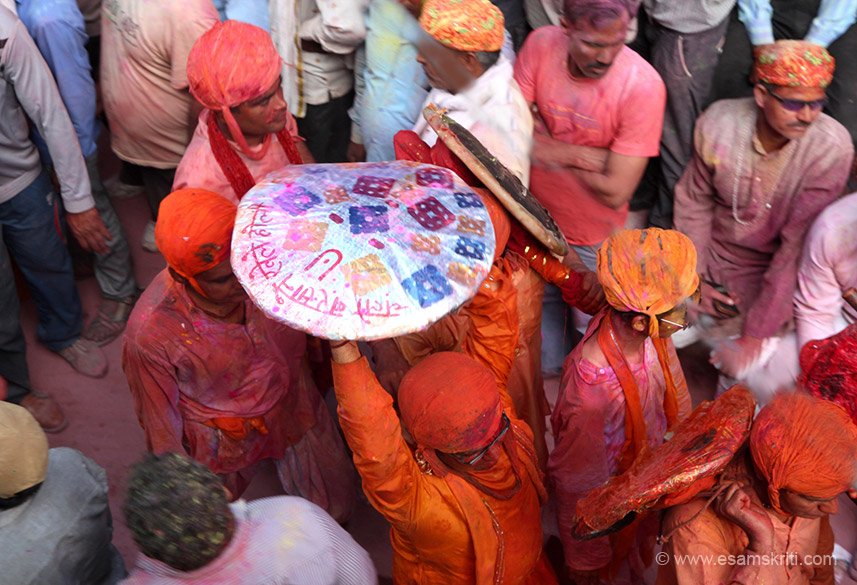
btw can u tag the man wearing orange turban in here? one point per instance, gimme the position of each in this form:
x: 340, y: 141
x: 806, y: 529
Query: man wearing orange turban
x: 464, y: 502
x: 622, y: 388
x: 775, y: 501
x: 246, y: 130
x: 763, y: 168
x: 213, y: 377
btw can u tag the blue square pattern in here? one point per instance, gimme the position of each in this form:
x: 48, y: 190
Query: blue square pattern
x: 470, y: 248
x: 296, y: 200
x: 427, y: 286
x: 368, y: 219
x: 465, y: 200
x: 373, y: 186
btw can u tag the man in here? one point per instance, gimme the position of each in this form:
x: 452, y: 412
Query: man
x: 58, y: 29
x: 317, y: 40
x: 250, y: 11
x: 683, y: 40
x: 772, y: 513
x: 213, y: 377
x: 473, y: 82
x: 145, y: 46
x: 55, y: 524
x: 28, y: 218
x: 180, y: 517
x: 246, y: 130
x: 598, y: 115
x: 827, y: 269
x: 756, y: 24
x: 389, y: 84
x: 762, y: 170
x: 465, y: 504
x: 622, y: 389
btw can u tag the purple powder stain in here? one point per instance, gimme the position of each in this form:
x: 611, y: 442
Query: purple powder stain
x: 335, y: 218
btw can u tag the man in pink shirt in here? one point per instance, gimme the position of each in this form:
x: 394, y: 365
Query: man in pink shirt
x: 598, y: 109
x: 246, y: 130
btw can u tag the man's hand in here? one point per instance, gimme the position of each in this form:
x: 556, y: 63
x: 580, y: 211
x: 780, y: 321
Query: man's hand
x: 356, y: 152
x: 738, y: 505
x: 592, y: 577
x: 592, y: 297
x: 390, y: 365
x: 89, y: 230
x: 736, y: 355
x: 344, y: 352
x: 709, y: 295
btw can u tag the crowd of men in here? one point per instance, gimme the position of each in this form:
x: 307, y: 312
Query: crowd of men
x: 698, y: 158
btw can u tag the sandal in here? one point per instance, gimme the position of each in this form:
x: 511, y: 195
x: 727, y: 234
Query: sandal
x: 110, y: 321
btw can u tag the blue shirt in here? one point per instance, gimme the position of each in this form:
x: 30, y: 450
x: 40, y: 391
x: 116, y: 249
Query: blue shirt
x: 58, y: 28
x: 249, y: 11
x: 391, y: 90
x: 834, y: 18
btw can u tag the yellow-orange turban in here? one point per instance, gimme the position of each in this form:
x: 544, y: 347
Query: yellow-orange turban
x: 464, y: 25
x: 647, y: 271
x: 805, y: 445
x: 194, y: 231
x: 795, y: 63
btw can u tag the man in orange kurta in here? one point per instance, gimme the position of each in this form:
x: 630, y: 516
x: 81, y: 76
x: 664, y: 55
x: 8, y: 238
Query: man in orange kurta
x: 772, y: 517
x: 464, y: 505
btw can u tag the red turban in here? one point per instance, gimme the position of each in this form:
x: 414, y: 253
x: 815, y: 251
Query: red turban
x: 232, y: 63
x: 794, y: 63
x: 194, y: 231
x: 805, y: 445
x: 450, y: 402
x: 464, y: 25
x: 829, y: 369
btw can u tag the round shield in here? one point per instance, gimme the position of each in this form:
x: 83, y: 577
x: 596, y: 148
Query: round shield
x: 361, y: 251
x: 700, y: 448
x: 507, y: 187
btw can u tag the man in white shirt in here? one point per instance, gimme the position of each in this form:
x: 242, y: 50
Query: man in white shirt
x: 179, y: 514
x: 486, y: 100
x: 318, y: 68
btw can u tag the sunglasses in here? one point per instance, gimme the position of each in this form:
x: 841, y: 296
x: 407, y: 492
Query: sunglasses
x: 798, y: 105
x: 500, y: 435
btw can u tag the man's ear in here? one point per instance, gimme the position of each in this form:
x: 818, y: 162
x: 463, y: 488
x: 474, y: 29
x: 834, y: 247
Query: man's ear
x: 640, y: 323
x: 564, y: 24
x: 178, y: 277
x: 760, y: 92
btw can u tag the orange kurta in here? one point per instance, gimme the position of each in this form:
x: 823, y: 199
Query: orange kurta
x: 432, y: 543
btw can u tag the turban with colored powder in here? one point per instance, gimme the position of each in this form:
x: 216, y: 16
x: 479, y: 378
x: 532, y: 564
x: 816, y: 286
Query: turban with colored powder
x: 464, y: 25
x: 23, y: 450
x: 829, y: 369
x: 647, y: 271
x: 194, y: 231
x: 805, y: 445
x: 230, y: 64
x: 795, y: 64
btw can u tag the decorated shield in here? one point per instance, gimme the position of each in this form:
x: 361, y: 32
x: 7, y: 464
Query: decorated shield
x: 688, y: 463
x: 361, y: 251
x: 504, y: 184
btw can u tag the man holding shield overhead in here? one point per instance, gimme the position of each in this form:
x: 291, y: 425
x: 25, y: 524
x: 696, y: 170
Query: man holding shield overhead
x: 246, y: 130
x: 622, y: 388
x: 213, y: 377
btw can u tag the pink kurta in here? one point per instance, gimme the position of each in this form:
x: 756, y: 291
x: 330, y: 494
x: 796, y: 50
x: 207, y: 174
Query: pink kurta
x: 776, y: 194
x: 589, y: 428
x: 199, y: 169
x: 185, y: 368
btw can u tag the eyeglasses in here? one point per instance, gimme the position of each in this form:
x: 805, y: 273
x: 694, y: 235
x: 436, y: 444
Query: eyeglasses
x: 798, y: 105
x: 481, y: 454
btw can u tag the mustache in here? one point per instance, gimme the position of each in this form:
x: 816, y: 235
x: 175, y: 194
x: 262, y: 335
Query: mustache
x: 799, y: 124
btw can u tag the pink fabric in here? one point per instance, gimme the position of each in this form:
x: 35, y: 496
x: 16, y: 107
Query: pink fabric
x: 144, y: 50
x: 827, y: 269
x: 182, y: 370
x: 623, y: 111
x: 199, y: 168
x: 758, y: 262
x: 589, y: 429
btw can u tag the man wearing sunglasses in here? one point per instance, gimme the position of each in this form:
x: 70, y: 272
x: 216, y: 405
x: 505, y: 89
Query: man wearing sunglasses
x: 763, y: 169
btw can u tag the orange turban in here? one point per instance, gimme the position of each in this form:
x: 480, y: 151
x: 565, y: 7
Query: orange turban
x: 794, y: 63
x: 194, y: 231
x: 464, y: 25
x: 805, y: 445
x: 647, y: 271
x: 230, y: 64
